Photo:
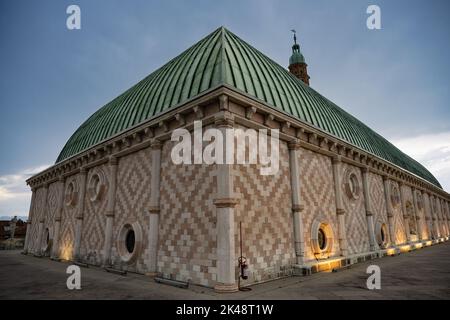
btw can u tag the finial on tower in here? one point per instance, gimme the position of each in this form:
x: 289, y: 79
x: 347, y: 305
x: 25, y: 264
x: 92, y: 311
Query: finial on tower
x: 297, y: 64
x: 295, y: 36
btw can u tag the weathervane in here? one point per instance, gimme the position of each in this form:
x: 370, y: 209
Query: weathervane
x: 295, y: 37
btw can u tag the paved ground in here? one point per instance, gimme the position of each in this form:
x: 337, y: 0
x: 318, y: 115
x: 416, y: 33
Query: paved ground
x: 422, y: 274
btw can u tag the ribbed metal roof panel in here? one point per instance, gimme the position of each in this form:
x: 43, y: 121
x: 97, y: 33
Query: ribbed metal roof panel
x: 223, y: 58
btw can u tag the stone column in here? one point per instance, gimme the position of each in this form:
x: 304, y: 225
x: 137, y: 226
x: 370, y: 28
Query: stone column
x: 405, y: 213
x: 340, y: 211
x: 444, y: 215
x: 390, y: 215
x: 29, y: 220
x: 225, y: 203
x: 110, y: 210
x: 417, y: 214
x: 297, y: 208
x: 80, y: 214
x: 428, y: 215
x: 58, y: 216
x: 38, y: 251
x: 434, y: 222
x: 448, y: 215
x: 367, y: 206
x: 153, y: 231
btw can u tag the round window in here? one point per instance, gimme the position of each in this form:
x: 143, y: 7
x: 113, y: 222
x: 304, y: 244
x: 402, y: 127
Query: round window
x: 381, y: 234
x: 96, y: 186
x: 71, y: 194
x: 395, y: 196
x: 352, y: 186
x: 129, y: 241
x: 322, y: 239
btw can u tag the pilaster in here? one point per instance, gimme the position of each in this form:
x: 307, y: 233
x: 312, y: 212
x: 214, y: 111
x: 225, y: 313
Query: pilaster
x: 389, y: 213
x: 154, y: 209
x: 80, y: 214
x: 111, y: 201
x: 340, y: 211
x: 225, y: 203
x: 368, y: 207
x: 58, y: 216
x: 297, y: 208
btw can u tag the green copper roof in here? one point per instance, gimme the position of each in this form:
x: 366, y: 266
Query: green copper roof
x: 223, y: 58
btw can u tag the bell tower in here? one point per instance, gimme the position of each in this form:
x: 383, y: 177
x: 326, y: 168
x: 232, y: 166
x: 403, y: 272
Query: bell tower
x: 297, y: 64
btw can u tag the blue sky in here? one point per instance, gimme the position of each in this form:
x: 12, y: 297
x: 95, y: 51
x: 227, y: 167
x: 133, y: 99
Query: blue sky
x: 395, y: 79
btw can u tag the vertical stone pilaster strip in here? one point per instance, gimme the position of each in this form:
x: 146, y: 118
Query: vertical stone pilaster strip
x: 58, y: 216
x: 80, y: 214
x: 113, y: 163
x: 434, y: 218
x: 368, y: 207
x: 405, y: 214
x: 444, y: 218
x: 38, y: 251
x: 225, y: 203
x: 390, y: 215
x: 154, y: 210
x: 448, y: 216
x: 417, y: 214
x: 29, y: 220
x: 340, y: 211
x: 297, y: 208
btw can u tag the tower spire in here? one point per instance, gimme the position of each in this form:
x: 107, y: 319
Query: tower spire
x: 297, y: 64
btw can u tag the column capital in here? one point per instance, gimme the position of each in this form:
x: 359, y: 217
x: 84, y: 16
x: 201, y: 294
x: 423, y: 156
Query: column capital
x: 294, y: 144
x: 113, y: 161
x: 369, y: 213
x: 297, y: 208
x: 224, y: 119
x: 61, y: 179
x: 156, y: 144
x: 340, y: 211
x: 365, y: 169
x: 83, y: 170
x: 225, y: 202
x: 337, y: 159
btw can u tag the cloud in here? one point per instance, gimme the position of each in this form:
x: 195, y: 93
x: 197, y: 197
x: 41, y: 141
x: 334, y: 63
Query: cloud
x: 15, y: 195
x: 431, y: 150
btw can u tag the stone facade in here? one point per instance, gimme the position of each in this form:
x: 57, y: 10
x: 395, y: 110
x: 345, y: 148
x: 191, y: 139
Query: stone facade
x: 186, y: 218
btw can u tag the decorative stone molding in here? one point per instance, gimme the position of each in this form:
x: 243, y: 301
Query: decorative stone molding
x: 226, y: 202
x: 250, y: 112
x: 223, y: 102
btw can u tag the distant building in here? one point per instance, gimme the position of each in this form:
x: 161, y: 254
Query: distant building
x: 10, y: 227
x: 343, y: 193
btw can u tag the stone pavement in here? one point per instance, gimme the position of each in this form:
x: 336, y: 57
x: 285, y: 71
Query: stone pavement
x: 421, y: 274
